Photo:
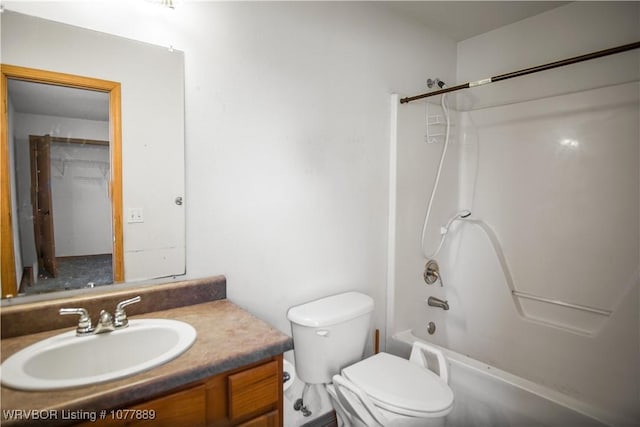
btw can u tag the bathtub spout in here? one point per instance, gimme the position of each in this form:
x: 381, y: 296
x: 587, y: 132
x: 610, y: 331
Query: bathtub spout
x: 437, y: 302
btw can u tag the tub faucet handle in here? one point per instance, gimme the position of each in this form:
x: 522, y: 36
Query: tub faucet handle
x: 432, y: 273
x: 121, y: 320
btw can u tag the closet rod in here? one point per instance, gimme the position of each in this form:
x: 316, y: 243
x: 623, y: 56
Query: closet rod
x: 526, y: 71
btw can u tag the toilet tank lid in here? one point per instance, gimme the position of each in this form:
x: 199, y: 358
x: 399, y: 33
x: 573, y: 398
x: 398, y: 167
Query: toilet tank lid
x: 331, y: 310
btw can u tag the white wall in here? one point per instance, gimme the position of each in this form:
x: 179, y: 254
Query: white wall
x: 287, y: 128
x: 551, y: 162
x: 22, y: 206
x: 20, y: 261
x: 81, y: 205
x: 63, y: 127
x: 298, y: 174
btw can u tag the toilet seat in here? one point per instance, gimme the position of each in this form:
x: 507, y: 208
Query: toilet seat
x: 401, y: 387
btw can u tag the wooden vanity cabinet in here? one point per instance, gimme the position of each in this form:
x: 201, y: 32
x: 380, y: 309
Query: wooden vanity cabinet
x: 250, y: 396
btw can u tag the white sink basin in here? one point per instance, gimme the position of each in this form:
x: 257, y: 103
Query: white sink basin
x: 67, y: 360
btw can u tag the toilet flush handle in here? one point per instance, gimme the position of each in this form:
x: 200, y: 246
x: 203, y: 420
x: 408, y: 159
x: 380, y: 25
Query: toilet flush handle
x: 323, y: 332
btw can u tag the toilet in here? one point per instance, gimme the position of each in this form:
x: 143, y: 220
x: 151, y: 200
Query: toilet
x: 329, y: 336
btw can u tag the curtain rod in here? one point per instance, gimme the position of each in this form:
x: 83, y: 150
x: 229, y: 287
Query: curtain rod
x: 526, y: 71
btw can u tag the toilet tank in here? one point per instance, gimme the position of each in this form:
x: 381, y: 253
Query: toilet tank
x: 329, y: 334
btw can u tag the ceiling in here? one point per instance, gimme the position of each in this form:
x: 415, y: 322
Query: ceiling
x: 460, y: 20
x: 50, y: 100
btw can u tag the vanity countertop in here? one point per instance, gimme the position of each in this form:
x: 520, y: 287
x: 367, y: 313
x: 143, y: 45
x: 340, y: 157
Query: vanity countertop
x: 228, y: 338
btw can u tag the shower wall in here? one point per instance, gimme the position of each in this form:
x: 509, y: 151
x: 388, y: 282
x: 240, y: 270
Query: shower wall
x: 549, y: 165
x: 417, y: 162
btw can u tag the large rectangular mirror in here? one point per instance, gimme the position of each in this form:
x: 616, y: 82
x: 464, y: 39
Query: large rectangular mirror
x: 116, y: 184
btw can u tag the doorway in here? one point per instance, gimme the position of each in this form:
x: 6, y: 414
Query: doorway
x: 72, y: 230
x: 12, y: 262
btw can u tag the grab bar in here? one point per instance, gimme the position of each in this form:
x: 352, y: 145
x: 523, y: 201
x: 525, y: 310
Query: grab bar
x: 562, y: 303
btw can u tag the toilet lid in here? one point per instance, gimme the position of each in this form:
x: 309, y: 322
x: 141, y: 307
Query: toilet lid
x: 400, y: 386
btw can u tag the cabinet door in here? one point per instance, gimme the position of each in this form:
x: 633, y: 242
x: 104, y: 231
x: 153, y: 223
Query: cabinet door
x: 183, y: 408
x: 247, y: 397
x: 253, y: 390
x: 266, y: 420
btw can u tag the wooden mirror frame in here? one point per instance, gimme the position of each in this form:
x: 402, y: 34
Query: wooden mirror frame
x: 7, y: 255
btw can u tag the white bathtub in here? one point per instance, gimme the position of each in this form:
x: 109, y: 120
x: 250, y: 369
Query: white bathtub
x: 487, y: 396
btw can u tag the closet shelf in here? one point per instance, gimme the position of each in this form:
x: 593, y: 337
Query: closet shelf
x: 62, y: 164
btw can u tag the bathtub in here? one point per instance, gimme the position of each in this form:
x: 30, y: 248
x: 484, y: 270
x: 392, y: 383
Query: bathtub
x: 487, y: 396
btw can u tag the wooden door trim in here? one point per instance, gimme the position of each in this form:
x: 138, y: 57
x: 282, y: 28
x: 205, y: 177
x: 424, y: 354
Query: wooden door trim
x: 7, y: 255
x: 45, y: 201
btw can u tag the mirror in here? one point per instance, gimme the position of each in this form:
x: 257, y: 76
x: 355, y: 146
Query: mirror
x: 151, y: 97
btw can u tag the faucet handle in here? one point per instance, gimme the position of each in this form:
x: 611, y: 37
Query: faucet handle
x: 121, y: 320
x: 84, y: 324
x: 432, y: 273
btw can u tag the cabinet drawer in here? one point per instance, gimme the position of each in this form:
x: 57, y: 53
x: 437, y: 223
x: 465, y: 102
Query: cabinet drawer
x: 253, y: 390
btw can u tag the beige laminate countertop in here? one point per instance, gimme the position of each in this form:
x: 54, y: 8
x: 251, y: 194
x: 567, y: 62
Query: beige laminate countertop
x: 228, y: 338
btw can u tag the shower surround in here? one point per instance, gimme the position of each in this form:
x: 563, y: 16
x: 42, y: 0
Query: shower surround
x: 549, y: 167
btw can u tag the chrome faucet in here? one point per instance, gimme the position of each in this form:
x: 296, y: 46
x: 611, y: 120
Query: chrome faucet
x: 437, y: 302
x: 106, y: 322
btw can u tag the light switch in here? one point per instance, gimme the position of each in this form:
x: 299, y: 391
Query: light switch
x: 135, y: 215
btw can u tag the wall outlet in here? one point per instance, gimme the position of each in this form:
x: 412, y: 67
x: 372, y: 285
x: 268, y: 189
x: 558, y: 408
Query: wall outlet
x: 135, y: 215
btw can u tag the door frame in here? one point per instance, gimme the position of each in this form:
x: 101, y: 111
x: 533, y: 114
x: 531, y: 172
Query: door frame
x: 7, y: 255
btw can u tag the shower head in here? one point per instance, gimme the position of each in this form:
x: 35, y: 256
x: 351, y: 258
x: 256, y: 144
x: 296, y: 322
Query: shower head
x: 435, y: 82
